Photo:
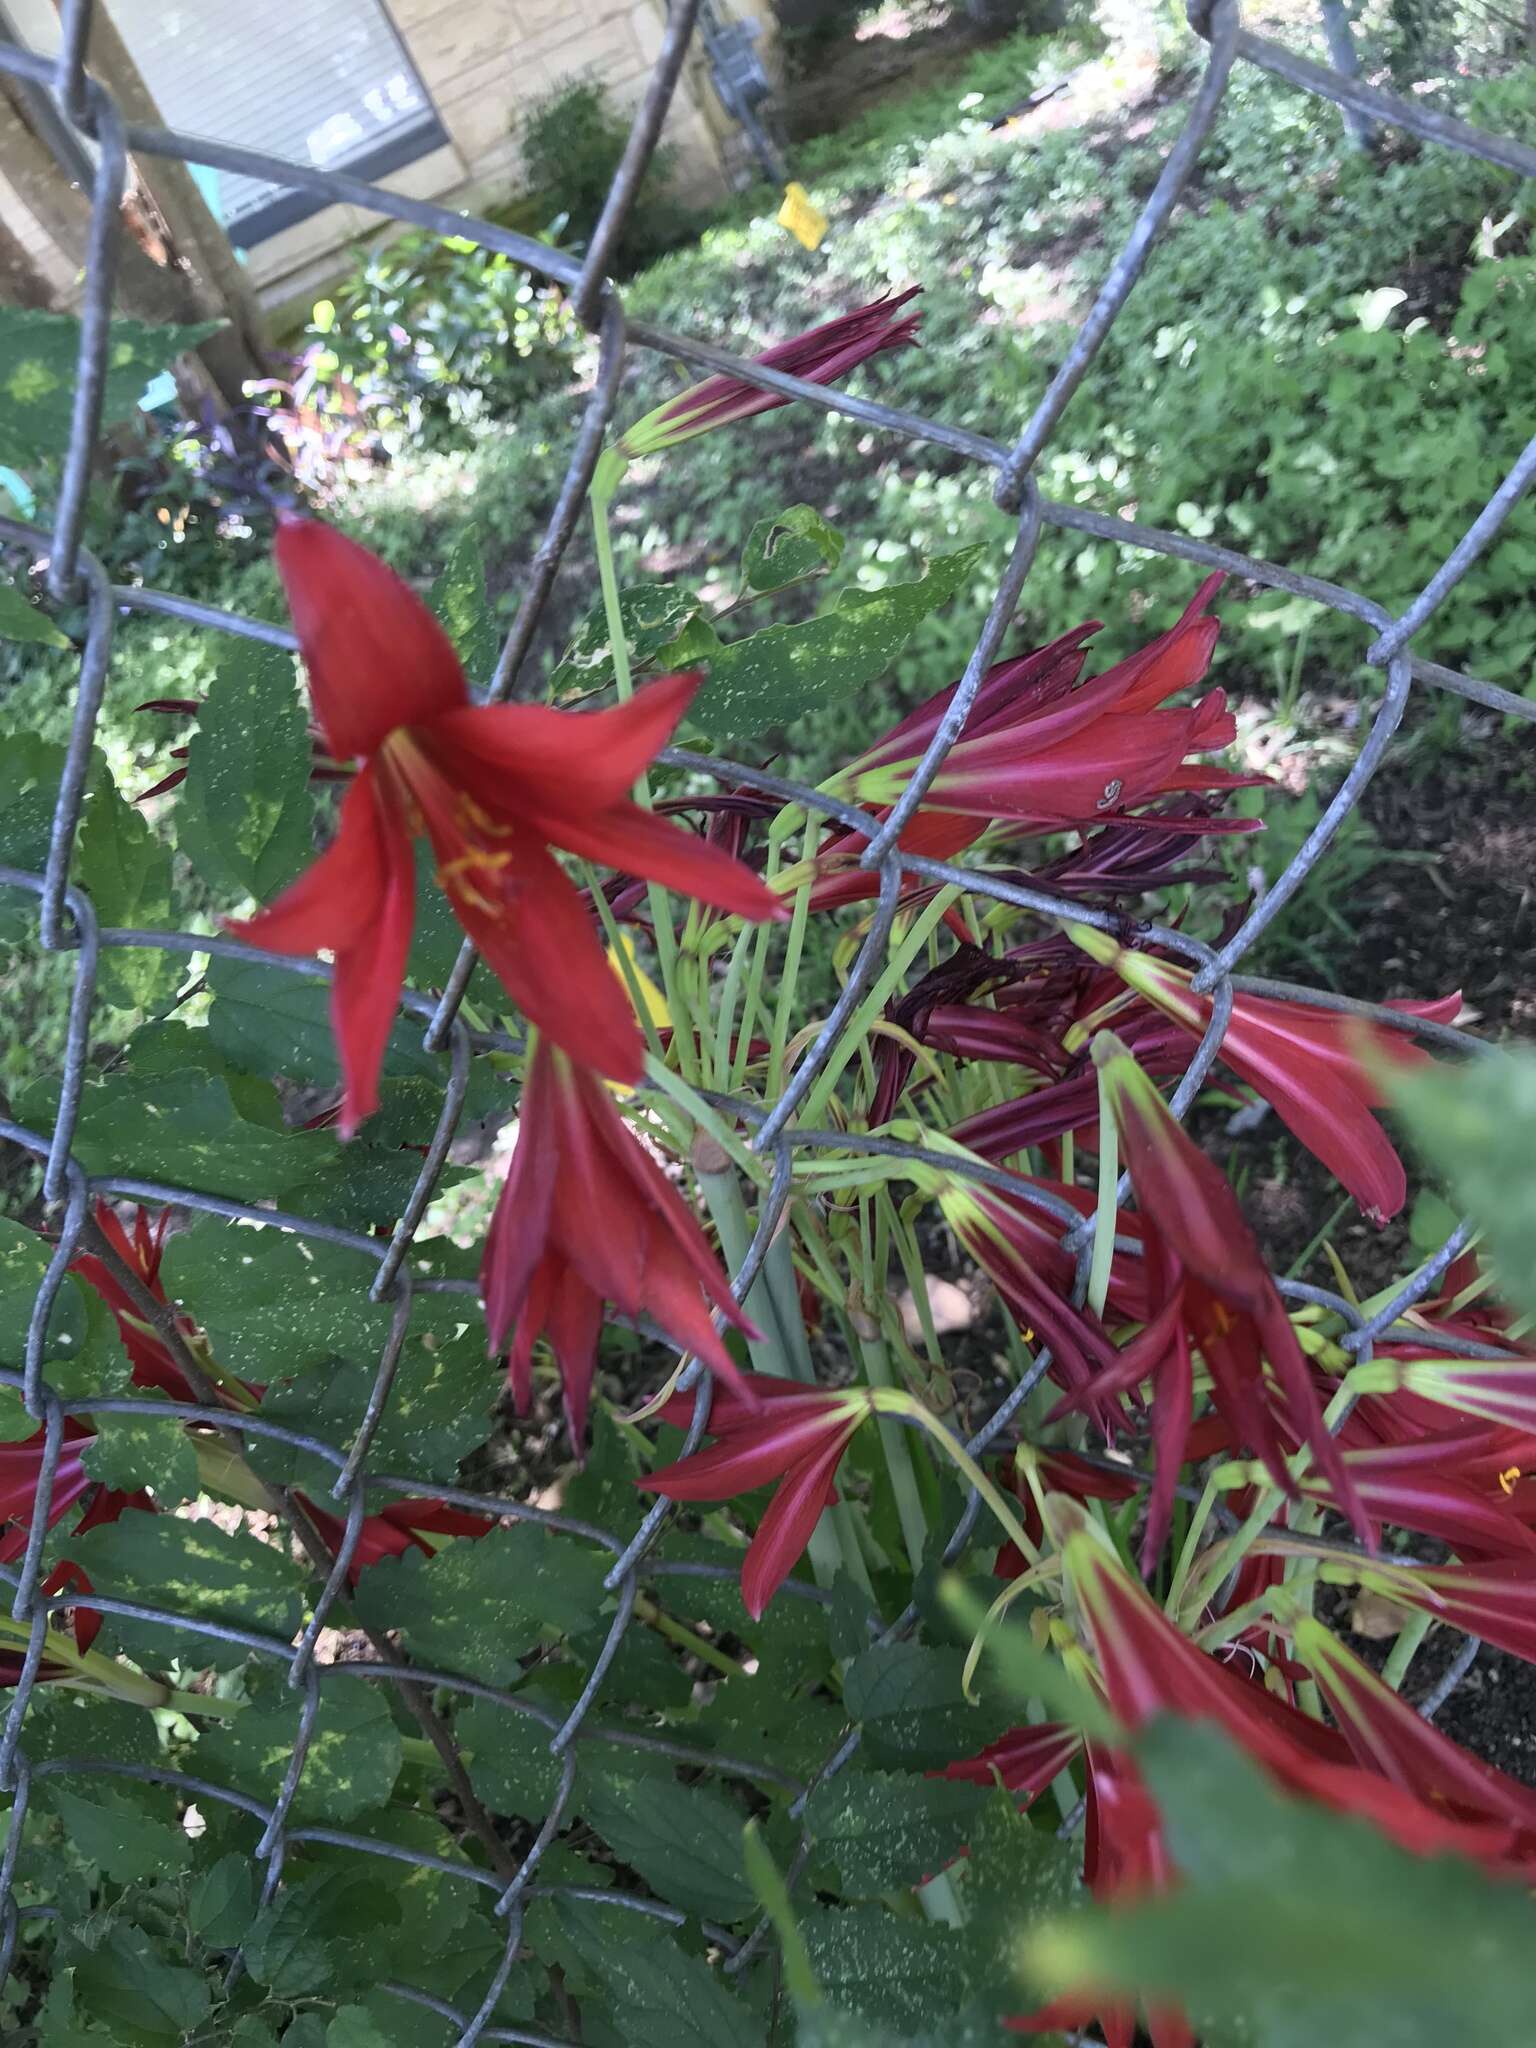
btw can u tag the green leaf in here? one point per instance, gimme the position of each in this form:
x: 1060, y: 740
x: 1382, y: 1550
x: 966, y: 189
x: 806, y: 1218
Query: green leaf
x: 772, y: 677
x: 1476, y: 1124
x: 891, y: 1972
x: 130, y: 1451
x: 794, y: 544
x: 29, y: 785
x: 125, y: 1841
x: 351, y: 1765
x: 880, y: 1830
x: 221, y: 1902
x: 126, y: 1979
x: 245, y: 815
x: 127, y: 872
x: 39, y: 360
x: 509, y: 1759
x: 20, y: 620
x: 459, y: 601
x: 653, y: 615
x: 684, y: 1840
x: 24, y: 1258
x: 1293, y: 1925
x: 667, y: 1999
x: 354, y: 2027
x: 480, y: 1607
x: 323, y: 1933
x: 914, y: 1711
x: 193, y: 1568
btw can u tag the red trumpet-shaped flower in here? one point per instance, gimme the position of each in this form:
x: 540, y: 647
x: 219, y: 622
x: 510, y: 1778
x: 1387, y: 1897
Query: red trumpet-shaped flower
x: 1218, y: 1295
x: 493, y: 788
x: 586, y: 1217
x: 1497, y: 1390
x: 21, y: 1466
x: 792, y: 1433
x: 821, y: 355
x: 1308, y: 1064
x: 141, y: 1252
x: 1044, y: 754
x: 407, y: 1524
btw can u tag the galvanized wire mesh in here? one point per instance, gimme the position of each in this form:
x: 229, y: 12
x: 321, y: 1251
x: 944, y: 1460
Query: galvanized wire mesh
x: 67, y: 924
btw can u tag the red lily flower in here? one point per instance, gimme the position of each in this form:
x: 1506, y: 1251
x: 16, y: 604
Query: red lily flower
x: 153, y: 1365
x: 790, y: 1432
x: 1218, y: 1292
x: 404, y: 1525
x: 1308, y: 1064
x: 1495, y: 1389
x: 821, y: 355
x: 84, y: 1623
x: 20, y: 1466
x: 1047, y: 755
x: 493, y: 787
x: 587, y: 1216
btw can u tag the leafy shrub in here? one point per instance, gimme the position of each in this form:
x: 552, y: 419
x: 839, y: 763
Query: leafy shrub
x: 572, y: 139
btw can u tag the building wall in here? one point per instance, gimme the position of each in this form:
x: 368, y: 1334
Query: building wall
x: 483, y: 62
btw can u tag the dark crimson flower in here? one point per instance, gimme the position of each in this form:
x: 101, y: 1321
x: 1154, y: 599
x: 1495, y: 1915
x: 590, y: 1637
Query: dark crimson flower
x: 142, y: 1252
x: 84, y: 1625
x: 1215, y: 1293
x: 821, y: 355
x: 586, y: 1216
x: 21, y: 1467
x: 406, y: 1524
x: 1310, y: 1065
x: 789, y: 1432
x: 1039, y: 752
x: 493, y: 788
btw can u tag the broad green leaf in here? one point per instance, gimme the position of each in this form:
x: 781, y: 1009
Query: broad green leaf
x: 127, y: 872
x: 29, y: 784
x: 351, y: 1764
x: 895, y: 1973
x: 1292, y: 1925
x: 322, y: 1933
x: 24, y: 1258
x: 39, y: 364
x: 125, y: 1841
x: 244, y: 815
x: 65, y: 1724
x: 684, y: 1840
x: 402, y: 2024
x: 194, y: 1569
x: 130, y: 1451
x: 20, y: 620
x: 221, y: 1902
x: 458, y: 598
x: 913, y: 1708
x: 880, y: 1831
x: 439, y: 1411
x: 509, y: 1760
x: 126, y: 1978
x: 480, y: 1607
x: 1476, y: 1124
x: 781, y: 550
x: 825, y: 2026
x: 774, y: 676
x: 355, y: 2027
x: 653, y: 615
x: 667, y: 1999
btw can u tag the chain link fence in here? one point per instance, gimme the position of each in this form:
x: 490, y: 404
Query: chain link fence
x: 67, y: 924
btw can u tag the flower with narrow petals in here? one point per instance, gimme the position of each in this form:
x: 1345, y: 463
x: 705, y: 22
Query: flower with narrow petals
x: 821, y: 355
x: 1309, y: 1064
x: 586, y: 1216
x: 21, y: 1467
x: 793, y: 1433
x: 141, y: 1251
x: 1217, y: 1295
x: 407, y: 1524
x: 493, y: 788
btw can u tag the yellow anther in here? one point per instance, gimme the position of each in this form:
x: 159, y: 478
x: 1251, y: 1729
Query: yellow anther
x: 1508, y: 1479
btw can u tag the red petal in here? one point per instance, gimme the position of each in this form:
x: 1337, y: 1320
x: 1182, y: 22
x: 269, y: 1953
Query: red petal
x: 788, y: 1523
x: 376, y: 657
x: 639, y: 843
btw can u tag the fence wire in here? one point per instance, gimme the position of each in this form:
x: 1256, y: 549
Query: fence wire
x: 67, y: 924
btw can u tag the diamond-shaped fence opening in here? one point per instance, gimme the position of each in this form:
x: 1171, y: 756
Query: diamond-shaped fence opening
x: 67, y: 925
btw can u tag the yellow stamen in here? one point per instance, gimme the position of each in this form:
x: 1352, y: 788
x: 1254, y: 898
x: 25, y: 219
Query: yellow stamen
x: 1508, y: 1479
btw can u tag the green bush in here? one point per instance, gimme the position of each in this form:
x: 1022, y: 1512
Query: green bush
x: 572, y: 139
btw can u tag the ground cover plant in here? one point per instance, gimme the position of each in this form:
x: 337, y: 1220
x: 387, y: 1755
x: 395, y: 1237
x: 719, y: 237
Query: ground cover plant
x: 1008, y: 1684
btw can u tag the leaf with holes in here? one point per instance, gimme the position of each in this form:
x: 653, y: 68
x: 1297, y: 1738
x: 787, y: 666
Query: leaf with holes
x: 459, y: 600
x: 795, y: 544
x: 21, y: 620
x: 772, y: 677
x: 39, y: 367
x: 193, y: 1569
x: 684, y: 1840
x: 653, y: 615
x: 668, y: 1999
x: 480, y: 1607
x: 879, y: 1830
x: 350, y: 1765
x: 244, y: 815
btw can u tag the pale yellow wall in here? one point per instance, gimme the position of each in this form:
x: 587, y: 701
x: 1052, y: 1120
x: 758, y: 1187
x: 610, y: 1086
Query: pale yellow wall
x: 482, y: 61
